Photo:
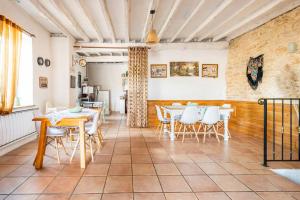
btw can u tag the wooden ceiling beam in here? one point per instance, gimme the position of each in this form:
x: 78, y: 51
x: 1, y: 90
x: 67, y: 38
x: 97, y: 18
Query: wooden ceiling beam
x: 100, y: 50
x: 201, y: 2
x: 260, y: 12
x: 126, y: 5
x: 85, y: 10
x: 107, y: 59
x: 59, y: 5
x: 173, y: 10
x: 45, y: 13
x: 211, y: 17
x: 243, y: 8
x: 107, y: 19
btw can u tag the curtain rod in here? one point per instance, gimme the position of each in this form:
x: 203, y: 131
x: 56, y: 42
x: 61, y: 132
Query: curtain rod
x: 28, y: 33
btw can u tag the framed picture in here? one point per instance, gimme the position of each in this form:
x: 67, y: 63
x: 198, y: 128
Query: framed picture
x: 210, y: 70
x: 158, y: 70
x: 184, y: 69
x: 43, y: 82
x: 72, y: 82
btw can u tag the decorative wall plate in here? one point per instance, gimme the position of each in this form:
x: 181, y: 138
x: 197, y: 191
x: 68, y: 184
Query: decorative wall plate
x: 47, y: 62
x: 40, y: 61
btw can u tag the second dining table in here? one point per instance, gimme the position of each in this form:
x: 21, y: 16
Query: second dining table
x: 175, y: 110
x: 64, y: 118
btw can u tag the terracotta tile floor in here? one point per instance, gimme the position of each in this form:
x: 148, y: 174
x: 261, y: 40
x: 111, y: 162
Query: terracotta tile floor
x: 134, y: 164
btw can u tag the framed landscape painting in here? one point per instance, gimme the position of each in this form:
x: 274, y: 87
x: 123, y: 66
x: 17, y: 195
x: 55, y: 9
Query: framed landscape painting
x: 158, y: 70
x: 184, y: 69
x: 210, y: 70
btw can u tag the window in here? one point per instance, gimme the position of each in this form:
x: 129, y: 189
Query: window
x: 24, y: 95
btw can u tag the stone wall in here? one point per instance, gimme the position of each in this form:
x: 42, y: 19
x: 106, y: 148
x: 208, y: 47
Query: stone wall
x: 281, y: 76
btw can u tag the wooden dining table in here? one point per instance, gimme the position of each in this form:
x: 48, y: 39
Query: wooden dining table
x: 66, y: 120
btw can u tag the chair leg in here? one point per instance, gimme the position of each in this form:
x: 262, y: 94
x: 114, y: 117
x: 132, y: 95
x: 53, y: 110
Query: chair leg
x: 99, y: 139
x: 216, y: 133
x: 204, y: 134
x: 200, y: 125
x: 180, y: 127
x: 91, y: 148
x: 161, y: 130
x: 196, y: 134
x: 57, y: 150
x: 75, y: 148
x: 62, y: 144
x: 158, y: 129
x: 184, y: 127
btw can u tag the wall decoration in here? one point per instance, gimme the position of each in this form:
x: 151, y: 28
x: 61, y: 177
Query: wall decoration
x: 82, y: 62
x: 47, y: 62
x: 40, y: 61
x: 210, y: 70
x: 158, y: 70
x: 43, y: 82
x: 255, y: 71
x: 72, y: 81
x: 184, y: 69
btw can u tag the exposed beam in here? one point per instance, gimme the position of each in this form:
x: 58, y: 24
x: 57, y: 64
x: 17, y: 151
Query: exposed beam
x: 201, y: 2
x: 152, y: 5
x: 44, y: 13
x: 173, y: 10
x: 191, y: 45
x: 248, y: 19
x: 85, y: 10
x: 211, y: 17
x: 243, y: 8
x: 59, y: 5
x: 107, y: 59
x: 107, y: 19
x: 126, y: 19
x: 100, y: 50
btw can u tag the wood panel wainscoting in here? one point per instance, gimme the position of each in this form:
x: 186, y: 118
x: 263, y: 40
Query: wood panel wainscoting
x: 247, y: 118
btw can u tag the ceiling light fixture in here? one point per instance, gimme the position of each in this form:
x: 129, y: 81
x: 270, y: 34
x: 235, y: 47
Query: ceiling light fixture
x: 152, y: 37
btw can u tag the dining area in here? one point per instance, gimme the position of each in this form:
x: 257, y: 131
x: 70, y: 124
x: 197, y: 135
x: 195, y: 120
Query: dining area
x: 199, y: 120
x: 76, y: 127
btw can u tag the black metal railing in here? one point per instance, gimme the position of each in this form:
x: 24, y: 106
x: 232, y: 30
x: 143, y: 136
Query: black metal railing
x: 284, y: 140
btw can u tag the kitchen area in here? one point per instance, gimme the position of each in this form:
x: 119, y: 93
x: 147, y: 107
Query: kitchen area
x: 105, y: 85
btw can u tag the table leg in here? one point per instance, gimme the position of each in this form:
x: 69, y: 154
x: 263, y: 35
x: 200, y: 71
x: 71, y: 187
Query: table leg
x: 82, y: 144
x: 165, y: 125
x: 38, y: 162
x: 226, y: 128
x: 172, y: 134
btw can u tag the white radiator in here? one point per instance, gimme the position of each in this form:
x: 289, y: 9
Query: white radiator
x: 15, y: 128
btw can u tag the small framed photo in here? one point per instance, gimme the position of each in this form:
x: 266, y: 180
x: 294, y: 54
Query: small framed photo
x: 43, y: 82
x: 158, y: 70
x: 210, y: 70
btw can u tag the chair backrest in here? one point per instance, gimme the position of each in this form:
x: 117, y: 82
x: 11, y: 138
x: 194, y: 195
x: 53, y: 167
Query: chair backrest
x: 176, y: 104
x: 226, y: 105
x: 95, y: 122
x: 190, y: 115
x: 192, y: 104
x: 212, y: 115
x: 158, y: 112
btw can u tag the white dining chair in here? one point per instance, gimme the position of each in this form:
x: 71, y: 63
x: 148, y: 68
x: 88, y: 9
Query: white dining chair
x: 92, y: 134
x: 209, y: 122
x: 54, y: 135
x: 189, y: 118
x: 162, y: 121
x: 176, y: 117
x: 176, y: 104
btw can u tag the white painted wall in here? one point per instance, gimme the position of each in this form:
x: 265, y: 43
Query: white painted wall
x: 188, y: 88
x: 108, y: 75
x: 41, y: 48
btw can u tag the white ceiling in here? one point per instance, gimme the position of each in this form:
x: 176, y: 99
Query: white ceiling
x: 175, y: 20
